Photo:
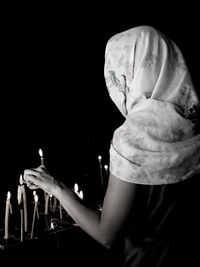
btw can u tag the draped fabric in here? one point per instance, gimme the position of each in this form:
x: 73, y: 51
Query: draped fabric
x: 164, y: 228
x: 148, y: 80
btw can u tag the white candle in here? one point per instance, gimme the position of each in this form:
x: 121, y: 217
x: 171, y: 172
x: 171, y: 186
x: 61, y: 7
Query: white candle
x: 24, y: 204
x: 19, y: 198
x: 34, y: 212
x: 41, y: 156
x: 34, y: 194
x: 46, y: 205
x: 100, y: 166
x: 60, y: 208
x: 54, y: 204
x: 7, y: 211
x: 106, y: 168
x: 50, y: 202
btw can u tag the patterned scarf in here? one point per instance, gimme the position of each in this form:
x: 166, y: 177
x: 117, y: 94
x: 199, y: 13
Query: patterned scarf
x: 148, y: 80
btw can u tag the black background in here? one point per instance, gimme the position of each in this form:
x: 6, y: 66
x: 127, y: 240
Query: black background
x: 53, y: 94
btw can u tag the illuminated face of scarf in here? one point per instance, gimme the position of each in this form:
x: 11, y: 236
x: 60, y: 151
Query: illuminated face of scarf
x: 148, y: 80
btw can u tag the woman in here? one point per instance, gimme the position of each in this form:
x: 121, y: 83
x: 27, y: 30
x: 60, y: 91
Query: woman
x: 152, y: 155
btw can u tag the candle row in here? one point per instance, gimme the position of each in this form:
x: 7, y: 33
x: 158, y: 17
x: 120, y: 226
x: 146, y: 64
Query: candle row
x: 22, y: 202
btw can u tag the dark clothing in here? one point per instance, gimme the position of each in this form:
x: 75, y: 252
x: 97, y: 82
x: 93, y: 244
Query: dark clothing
x: 164, y: 226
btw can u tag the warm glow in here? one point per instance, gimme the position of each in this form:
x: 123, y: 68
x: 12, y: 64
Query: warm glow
x: 50, y: 195
x: 99, y: 157
x: 52, y: 225
x: 21, y: 179
x: 8, y: 195
x: 106, y: 167
x: 81, y: 194
x: 40, y: 153
x: 34, y: 192
x: 76, y: 187
x: 36, y: 198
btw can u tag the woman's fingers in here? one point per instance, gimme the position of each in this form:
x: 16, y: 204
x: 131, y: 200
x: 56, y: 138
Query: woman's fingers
x: 32, y: 186
x: 31, y: 178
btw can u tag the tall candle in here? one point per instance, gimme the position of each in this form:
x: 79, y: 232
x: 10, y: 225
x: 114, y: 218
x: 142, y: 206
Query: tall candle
x: 19, y: 198
x: 100, y: 166
x: 34, y: 213
x: 7, y: 211
x: 50, y: 202
x: 47, y: 204
x: 41, y: 156
x: 37, y: 211
x: 60, y: 208
x: 42, y: 164
x: 106, y: 168
x: 24, y: 204
x: 54, y: 204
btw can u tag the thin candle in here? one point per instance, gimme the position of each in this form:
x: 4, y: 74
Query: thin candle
x: 34, y: 213
x: 100, y: 166
x: 47, y: 204
x: 7, y: 211
x: 24, y: 204
x: 37, y: 211
x: 54, y: 204
x: 60, y: 208
x: 19, y: 198
x: 106, y: 168
x: 50, y: 202
x: 41, y: 156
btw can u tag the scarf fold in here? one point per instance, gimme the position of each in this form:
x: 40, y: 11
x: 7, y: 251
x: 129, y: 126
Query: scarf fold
x: 148, y: 80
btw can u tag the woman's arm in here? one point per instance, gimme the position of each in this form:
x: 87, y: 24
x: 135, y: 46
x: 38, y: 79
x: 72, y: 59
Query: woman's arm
x: 104, y: 227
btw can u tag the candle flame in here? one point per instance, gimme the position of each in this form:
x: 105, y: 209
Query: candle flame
x: 81, y: 194
x: 34, y: 193
x: 36, y: 198
x: 99, y: 157
x: 21, y: 179
x: 8, y: 195
x: 76, y: 187
x: 40, y: 153
x: 52, y: 225
x: 106, y: 167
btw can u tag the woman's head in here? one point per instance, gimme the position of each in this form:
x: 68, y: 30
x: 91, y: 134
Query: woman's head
x: 142, y: 63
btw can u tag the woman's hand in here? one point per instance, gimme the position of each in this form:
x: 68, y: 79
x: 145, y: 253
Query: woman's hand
x: 39, y: 178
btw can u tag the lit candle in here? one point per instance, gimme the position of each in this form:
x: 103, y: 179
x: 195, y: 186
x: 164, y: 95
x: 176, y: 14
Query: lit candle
x: 106, y: 168
x: 7, y: 212
x: 100, y: 166
x: 42, y: 164
x: 34, y: 194
x: 50, y: 202
x: 24, y: 204
x: 81, y: 194
x: 76, y: 188
x: 19, y: 198
x: 34, y: 212
x: 41, y: 157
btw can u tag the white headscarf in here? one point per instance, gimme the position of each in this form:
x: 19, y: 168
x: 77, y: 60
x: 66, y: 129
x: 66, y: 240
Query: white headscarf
x: 148, y: 80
